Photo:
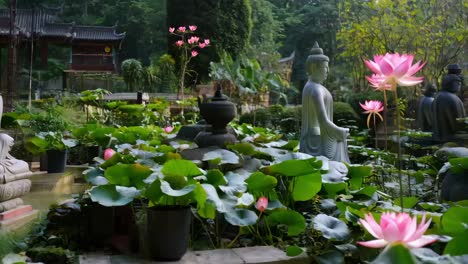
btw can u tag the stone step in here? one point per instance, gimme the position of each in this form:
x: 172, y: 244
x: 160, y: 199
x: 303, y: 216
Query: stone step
x: 248, y: 255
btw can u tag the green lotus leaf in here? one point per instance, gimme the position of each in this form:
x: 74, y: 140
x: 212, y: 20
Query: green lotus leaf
x: 293, y: 168
x: 222, y: 155
x: 260, y: 183
x: 241, y: 217
x: 331, y: 227
x: 112, y: 195
x: 178, y: 167
x: 455, y: 221
x: 408, y: 202
x: 306, y: 186
x: 95, y: 176
x: 396, y: 253
x: 292, y: 251
x: 457, y: 246
x: 293, y: 220
x: 128, y: 174
x: 215, y: 178
x: 356, y: 174
x: 243, y: 148
x: 166, y: 188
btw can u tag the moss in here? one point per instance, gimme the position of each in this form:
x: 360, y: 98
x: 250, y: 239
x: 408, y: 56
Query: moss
x: 50, y: 255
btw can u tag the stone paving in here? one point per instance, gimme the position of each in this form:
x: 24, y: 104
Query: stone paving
x: 248, y: 255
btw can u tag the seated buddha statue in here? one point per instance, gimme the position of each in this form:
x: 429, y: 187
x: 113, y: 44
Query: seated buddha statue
x: 11, y: 169
x: 446, y: 108
x: 319, y: 135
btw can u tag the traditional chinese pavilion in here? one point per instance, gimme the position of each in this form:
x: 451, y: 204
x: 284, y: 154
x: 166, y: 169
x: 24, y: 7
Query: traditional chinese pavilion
x: 93, y: 48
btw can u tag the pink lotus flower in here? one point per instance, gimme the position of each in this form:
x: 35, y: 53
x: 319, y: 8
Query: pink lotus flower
x: 202, y: 45
x: 397, y: 227
x: 179, y: 43
x: 262, y: 204
x: 182, y: 29
x: 392, y: 69
x: 192, y: 27
x: 194, y: 53
x: 168, y: 129
x: 207, y: 41
x: 372, y: 107
x: 171, y: 29
x: 193, y: 40
x: 108, y: 153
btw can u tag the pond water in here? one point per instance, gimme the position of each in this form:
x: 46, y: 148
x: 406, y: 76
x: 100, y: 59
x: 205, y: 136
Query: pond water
x: 48, y: 189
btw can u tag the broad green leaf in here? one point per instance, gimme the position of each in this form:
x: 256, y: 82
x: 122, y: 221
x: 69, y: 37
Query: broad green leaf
x: 208, y: 211
x: 153, y: 192
x: 292, y: 251
x: 431, y: 207
x: 331, y: 227
x: 166, y: 188
x: 95, y: 176
x: 199, y: 195
x: 241, y: 217
x: 294, y: 221
x: 222, y: 155
x: 128, y: 175
x: 292, y: 145
x: 275, y: 204
x: 408, y: 202
x: 455, y: 220
x: 367, y: 191
x: 246, y: 199
x: 356, y: 174
x: 306, y: 186
x: 395, y: 254
x: 294, y: 168
x: 243, y: 148
x: 111, y: 195
x: 459, y: 165
x: 458, y: 245
x: 215, y: 178
x: 178, y: 167
x: 260, y: 183
x: 333, y: 188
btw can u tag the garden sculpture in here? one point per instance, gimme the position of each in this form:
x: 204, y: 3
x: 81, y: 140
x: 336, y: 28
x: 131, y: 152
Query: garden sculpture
x: 13, y: 176
x: 319, y: 135
x: 446, y: 108
x: 424, y: 111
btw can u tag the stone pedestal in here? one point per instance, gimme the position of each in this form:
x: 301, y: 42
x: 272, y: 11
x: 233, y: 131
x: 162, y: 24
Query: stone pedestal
x: 17, y: 218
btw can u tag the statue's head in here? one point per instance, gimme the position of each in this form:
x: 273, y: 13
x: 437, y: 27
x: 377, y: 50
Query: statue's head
x: 429, y: 89
x: 6, y: 142
x: 451, y: 83
x: 317, y: 64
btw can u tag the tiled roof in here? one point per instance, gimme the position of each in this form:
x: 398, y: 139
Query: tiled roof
x: 41, y: 22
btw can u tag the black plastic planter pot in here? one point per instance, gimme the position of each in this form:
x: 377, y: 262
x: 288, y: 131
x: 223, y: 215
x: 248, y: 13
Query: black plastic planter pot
x: 168, y: 232
x: 56, y: 161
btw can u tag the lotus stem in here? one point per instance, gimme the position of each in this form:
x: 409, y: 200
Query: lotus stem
x: 400, y: 176
x: 385, y: 118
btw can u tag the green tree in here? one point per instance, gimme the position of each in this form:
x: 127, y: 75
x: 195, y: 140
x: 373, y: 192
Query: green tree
x: 133, y: 73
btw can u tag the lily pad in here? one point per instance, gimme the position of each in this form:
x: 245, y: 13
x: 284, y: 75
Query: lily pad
x: 395, y: 254
x: 128, y: 174
x: 331, y: 227
x: 95, y: 176
x: 260, y: 183
x: 241, y: 217
x: 293, y: 220
x: 455, y: 220
x: 223, y: 156
x: 306, y: 186
x: 112, y: 195
x: 294, y: 168
x: 166, y: 188
x: 178, y: 167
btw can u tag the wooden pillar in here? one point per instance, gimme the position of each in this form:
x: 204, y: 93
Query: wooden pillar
x: 12, y: 59
x: 44, y: 54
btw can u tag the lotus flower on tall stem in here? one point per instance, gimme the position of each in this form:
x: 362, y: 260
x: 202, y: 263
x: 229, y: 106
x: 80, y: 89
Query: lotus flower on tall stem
x: 391, y: 70
x: 373, y: 108
x: 189, y: 45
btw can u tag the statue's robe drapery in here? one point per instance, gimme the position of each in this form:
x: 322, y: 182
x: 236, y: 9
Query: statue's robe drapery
x: 319, y: 135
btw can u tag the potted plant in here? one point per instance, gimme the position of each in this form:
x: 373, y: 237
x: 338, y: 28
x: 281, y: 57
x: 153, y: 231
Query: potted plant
x: 55, y: 146
x: 168, y: 193
x: 93, y: 137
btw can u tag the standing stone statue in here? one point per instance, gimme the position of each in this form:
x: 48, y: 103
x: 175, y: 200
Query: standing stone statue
x: 446, y: 108
x: 319, y: 135
x: 424, y: 111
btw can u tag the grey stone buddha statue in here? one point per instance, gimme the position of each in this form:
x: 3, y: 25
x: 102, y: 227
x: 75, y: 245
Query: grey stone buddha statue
x: 424, y: 110
x: 319, y: 135
x: 446, y: 108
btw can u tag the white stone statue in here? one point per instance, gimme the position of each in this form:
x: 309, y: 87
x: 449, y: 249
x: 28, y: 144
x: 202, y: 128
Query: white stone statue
x: 319, y: 135
x: 11, y: 169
